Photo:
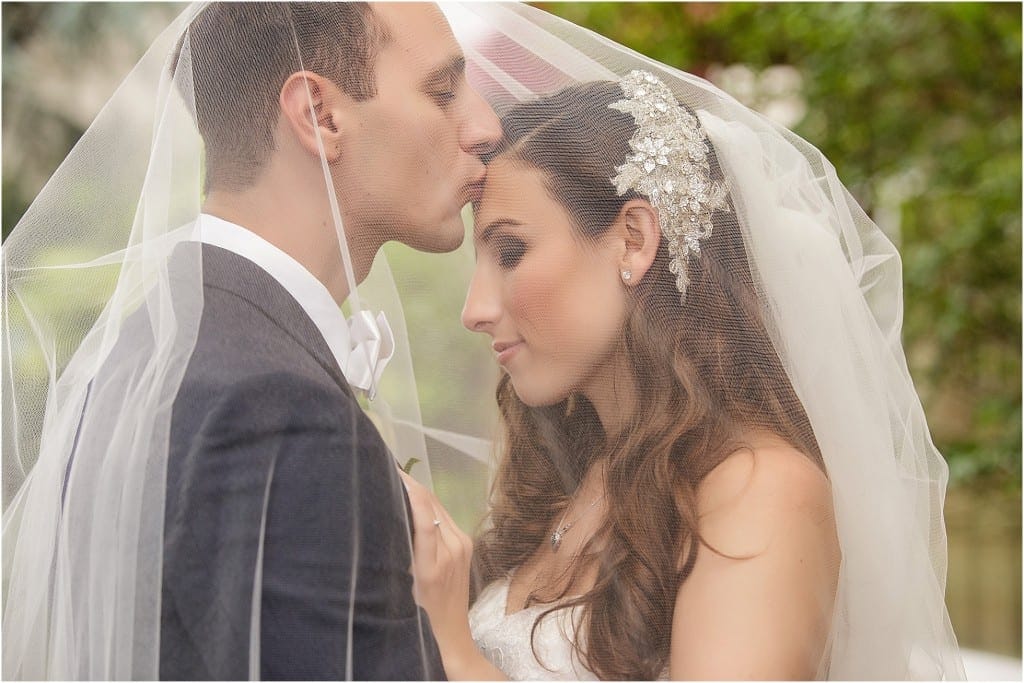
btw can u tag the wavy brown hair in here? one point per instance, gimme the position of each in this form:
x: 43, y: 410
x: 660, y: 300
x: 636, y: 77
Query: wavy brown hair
x: 706, y: 372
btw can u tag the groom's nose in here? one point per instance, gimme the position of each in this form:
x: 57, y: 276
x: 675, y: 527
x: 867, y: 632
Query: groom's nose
x: 481, y: 129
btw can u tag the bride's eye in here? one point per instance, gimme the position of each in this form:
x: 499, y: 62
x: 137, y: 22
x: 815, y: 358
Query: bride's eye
x: 510, y: 251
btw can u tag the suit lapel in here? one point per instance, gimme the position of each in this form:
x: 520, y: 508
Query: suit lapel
x: 228, y: 271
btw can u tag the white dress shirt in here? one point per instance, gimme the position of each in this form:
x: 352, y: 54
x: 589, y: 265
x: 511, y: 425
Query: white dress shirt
x: 362, y: 344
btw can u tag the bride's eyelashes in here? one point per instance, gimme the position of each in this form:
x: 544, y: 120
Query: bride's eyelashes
x: 510, y: 251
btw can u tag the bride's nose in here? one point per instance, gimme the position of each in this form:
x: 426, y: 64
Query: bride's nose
x: 483, y: 303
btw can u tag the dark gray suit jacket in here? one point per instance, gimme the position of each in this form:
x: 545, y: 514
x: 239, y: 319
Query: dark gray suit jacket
x: 264, y: 416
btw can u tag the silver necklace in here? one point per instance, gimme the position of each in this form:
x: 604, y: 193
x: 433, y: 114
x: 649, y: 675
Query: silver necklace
x: 563, y: 527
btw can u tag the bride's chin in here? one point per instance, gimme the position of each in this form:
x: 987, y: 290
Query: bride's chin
x: 537, y: 399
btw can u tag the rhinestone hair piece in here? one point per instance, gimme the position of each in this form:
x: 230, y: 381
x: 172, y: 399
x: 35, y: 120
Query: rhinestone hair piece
x: 669, y: 166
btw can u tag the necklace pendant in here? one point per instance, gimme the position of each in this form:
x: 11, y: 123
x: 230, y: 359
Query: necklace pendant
x: 556, y: 540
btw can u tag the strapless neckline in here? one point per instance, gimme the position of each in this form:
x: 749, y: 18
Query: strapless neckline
x: 506, y: 587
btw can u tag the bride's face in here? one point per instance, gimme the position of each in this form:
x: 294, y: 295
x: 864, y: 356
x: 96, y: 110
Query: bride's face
x: 551, y: 301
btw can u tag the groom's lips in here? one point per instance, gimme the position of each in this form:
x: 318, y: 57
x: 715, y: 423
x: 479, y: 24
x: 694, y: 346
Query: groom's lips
x: 472, y: 191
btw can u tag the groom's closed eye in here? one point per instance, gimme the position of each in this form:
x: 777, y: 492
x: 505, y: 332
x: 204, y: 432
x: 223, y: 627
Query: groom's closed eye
x: 442, y: 84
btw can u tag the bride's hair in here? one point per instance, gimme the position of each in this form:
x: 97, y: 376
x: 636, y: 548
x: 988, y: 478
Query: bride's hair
x: 707, y: 374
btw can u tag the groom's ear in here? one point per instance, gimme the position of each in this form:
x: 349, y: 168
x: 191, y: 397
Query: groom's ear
x: 312, y: 105
x: 638, y: 227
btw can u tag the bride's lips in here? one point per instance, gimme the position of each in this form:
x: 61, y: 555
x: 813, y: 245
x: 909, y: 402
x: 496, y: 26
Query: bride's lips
x: 505, y: 350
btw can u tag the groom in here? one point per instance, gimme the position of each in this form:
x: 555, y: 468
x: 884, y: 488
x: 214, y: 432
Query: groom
x: 273, y: 467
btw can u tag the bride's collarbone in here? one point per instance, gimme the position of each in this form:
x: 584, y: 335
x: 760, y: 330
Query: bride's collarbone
x: 556, y: 570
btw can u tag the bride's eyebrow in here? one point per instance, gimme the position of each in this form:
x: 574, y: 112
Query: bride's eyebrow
x: 487, y: 234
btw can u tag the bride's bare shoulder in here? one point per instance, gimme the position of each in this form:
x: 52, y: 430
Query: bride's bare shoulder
x: 761, y: 489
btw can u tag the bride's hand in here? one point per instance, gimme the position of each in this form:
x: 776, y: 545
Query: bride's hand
x: 441, y: 559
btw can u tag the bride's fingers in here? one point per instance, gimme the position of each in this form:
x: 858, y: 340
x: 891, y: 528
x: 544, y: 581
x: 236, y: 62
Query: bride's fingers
x: 426, y: 538
x: 440, y: 545
x: 447, y: 534
x: 457, y: 541
x: 444, y: 546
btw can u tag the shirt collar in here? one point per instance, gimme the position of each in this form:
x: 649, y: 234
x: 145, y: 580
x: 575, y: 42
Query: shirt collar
x: 362, y: 345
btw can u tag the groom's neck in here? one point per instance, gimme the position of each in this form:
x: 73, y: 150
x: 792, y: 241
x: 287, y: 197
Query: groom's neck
x: 302, y: 229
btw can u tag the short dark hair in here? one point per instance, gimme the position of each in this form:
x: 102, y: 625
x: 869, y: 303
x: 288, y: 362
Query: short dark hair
x: 241, y: 54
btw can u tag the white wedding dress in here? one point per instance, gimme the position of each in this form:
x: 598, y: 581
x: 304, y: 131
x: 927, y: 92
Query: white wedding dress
x: 505, y: 638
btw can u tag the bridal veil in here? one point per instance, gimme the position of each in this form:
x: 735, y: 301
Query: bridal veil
x: 103, y: 294
x: 829, y: 288
x: 102, y: 273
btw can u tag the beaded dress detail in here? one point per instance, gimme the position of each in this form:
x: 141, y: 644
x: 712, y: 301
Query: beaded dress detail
x: 505, y: 638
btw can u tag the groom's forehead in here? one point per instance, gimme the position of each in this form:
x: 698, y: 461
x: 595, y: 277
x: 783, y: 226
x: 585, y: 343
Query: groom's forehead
x: 418, y: 31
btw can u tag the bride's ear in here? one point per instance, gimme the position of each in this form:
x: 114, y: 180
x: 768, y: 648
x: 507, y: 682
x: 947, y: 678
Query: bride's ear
x: 638, y: 227
x: 305, y: 97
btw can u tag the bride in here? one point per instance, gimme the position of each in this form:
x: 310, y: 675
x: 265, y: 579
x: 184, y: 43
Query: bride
x: 711, y: 465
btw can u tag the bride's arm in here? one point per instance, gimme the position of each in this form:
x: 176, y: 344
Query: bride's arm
x: 441, y: 560
x: 767, y: 616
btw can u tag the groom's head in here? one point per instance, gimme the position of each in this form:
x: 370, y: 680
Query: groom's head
x: 400, y: 128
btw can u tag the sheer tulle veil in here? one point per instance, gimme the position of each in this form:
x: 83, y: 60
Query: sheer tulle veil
x: 91, y: 382
x: 830, y: 290
x: 103, y: 289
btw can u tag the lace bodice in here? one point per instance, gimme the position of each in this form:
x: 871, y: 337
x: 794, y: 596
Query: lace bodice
x: 505, y: 638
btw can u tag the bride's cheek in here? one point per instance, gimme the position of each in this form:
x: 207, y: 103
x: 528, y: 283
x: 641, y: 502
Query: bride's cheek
x: 540, y: 306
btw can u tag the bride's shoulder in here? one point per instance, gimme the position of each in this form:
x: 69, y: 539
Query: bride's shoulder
x: 759, y: 490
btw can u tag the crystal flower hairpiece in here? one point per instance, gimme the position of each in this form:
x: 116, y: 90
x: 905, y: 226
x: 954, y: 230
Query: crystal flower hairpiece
x: 669, y: 166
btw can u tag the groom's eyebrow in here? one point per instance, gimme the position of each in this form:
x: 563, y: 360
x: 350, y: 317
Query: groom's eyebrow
x: 448, y: 72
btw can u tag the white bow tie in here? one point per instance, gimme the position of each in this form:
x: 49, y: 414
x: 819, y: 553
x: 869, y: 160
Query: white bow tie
x: 372, y: 347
